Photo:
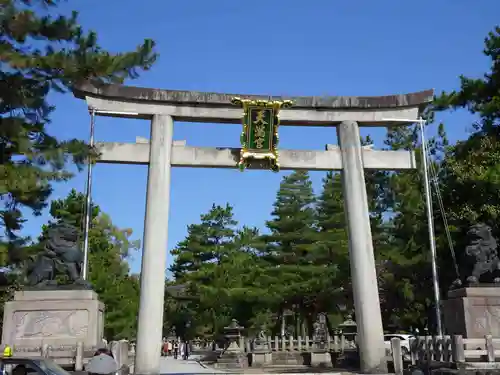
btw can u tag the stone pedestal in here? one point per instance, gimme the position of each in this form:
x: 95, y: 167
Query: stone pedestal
x: 261, y: 358
x: 261, y: 354
x: 321, y: 359
x: 473, y: 312
x: 286, y: 358
x: 232, y: 358
x: 56, y: 319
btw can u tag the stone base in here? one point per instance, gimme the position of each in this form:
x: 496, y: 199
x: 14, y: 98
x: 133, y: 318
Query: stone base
x: 232, y: 360
x: 264, y: 358
x: 321, y: 359
x: 54, y: 318
x: 286, y: 358
x: 473, y: 312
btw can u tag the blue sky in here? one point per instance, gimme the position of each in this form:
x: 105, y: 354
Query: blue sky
x: 277, y: 47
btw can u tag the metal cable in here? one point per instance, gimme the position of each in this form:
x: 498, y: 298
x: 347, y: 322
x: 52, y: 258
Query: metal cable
x: 434, y: 179
x: 430, y: 224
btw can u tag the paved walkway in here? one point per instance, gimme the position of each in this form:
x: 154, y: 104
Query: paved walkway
x: 170, y: 366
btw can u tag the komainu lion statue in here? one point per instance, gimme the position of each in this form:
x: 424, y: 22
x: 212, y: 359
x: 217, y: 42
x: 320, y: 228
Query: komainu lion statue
x: 61, y: 256
x: 482, y: 250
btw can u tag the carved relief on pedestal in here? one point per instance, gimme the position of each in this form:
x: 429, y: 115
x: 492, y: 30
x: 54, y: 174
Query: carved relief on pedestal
x: 486, y: 320
x: 59, y: 324
x: 480, y: 322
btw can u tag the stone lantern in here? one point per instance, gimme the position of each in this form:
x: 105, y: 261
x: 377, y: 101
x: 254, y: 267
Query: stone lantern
x: 233, y: 333
x: 233, y: 356
x: 349, y: 330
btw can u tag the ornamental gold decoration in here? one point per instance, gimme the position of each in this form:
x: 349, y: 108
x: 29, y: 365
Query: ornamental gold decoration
x: 259, y: 138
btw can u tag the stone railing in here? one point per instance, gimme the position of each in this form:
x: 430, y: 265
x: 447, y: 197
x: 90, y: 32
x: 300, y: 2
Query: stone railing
x: 288, y: 350
x: 435, y: 350
x: 336, y: 343
x: 421, y: 351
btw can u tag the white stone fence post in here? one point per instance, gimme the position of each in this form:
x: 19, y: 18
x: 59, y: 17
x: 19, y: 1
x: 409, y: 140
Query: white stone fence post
x: 453, y: 349
x: 122, y: 352
x: 420, y: 350
x: 336, y: 343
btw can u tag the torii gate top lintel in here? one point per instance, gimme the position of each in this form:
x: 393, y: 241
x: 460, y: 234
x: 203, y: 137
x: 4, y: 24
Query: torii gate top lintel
x: 216, y: 107
x: 114, y: 91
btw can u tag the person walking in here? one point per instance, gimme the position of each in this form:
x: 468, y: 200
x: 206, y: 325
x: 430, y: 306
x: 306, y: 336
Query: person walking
x: 164, y: 349
x: 181, y: 349
x: 176, y: 349
x: 186, y: 350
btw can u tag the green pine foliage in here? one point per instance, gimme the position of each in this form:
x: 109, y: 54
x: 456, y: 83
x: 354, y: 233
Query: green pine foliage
x: 470, y: 171
x: 42, y: 51
x: 472, y: 167
x: 332, y: 241
x: 206, y: 243
x: 203, y: 262
x: 291, y: 254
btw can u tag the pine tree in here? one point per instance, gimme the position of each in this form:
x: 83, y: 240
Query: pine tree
x: 471, y: 169
x: 42, y: 52
x: 201, y: 264
x: 293, y: 224
x: 331, y: 216
x: 469, y: 177
x: 377, y: 191
x: 333, y: 244
x: 223, y: 277
x: 479, y: 95
x: 290, y: 255
x: 247, y: 285
x: 404, y: 261
x: 206, y: 243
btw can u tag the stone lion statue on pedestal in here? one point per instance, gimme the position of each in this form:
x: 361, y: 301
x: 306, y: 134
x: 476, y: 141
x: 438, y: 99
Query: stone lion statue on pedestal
x: 483, y: 255
x: 61, y: 256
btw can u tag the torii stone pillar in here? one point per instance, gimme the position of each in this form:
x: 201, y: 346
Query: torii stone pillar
x: 361, y: 257
x: 154, y: 254
x: 161, y: 153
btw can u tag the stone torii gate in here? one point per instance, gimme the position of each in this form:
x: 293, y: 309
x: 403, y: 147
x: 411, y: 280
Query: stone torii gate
x: 161, y: 153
